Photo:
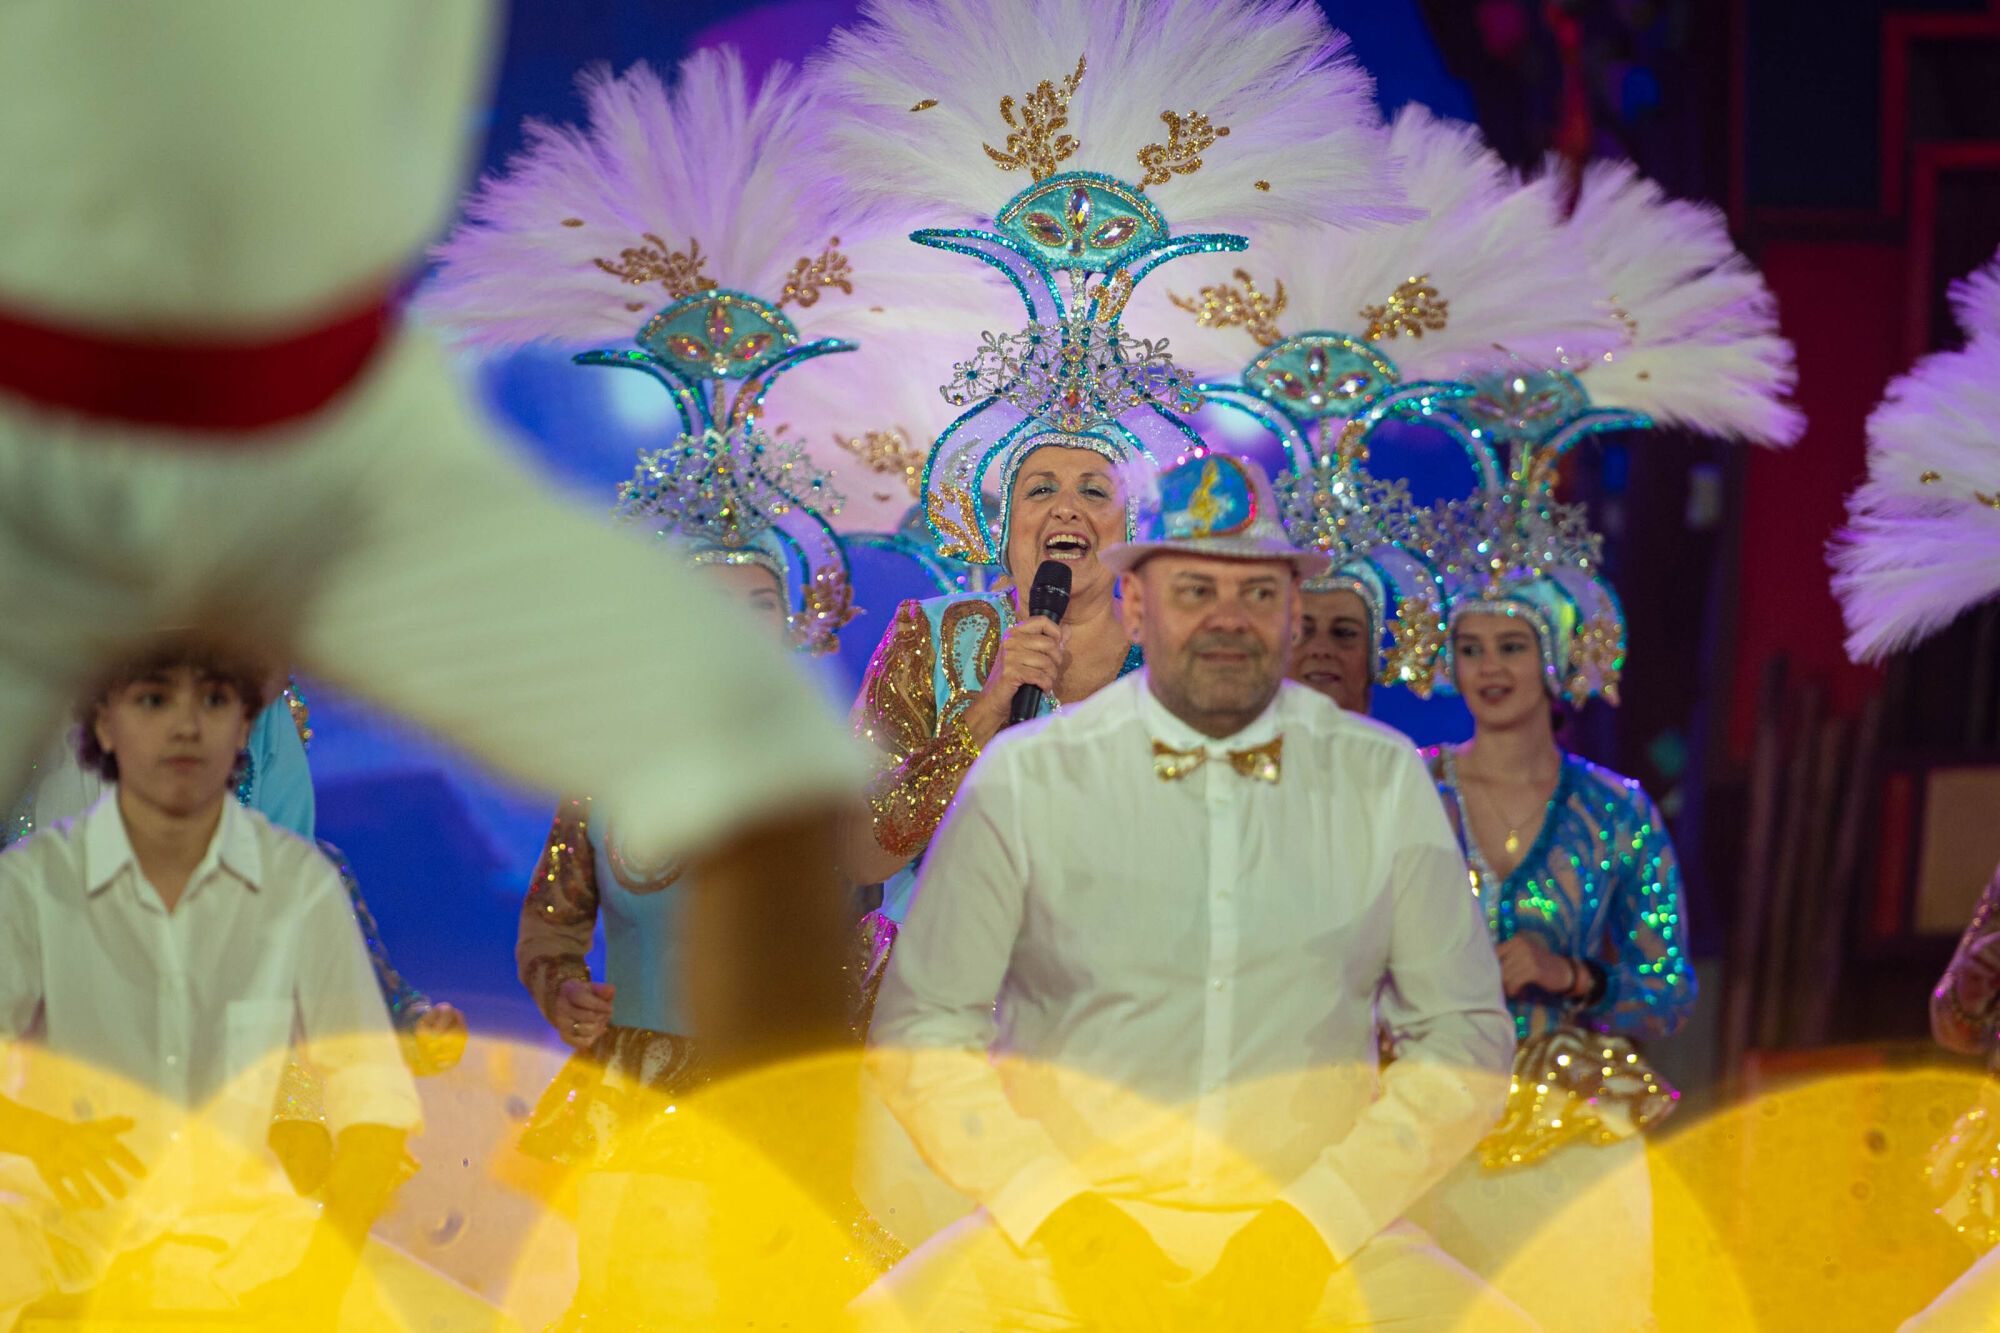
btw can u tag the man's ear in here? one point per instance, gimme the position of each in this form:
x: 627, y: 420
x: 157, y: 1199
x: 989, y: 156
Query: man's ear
x: 1131, y: 605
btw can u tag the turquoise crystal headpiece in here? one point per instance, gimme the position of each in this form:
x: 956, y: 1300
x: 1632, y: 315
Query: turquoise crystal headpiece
x: 1329, y: 387
x: 691, y: 219
x: 747, y: 499
x: 1368, y: 527
x: 1513, y: 550
x: 1519, y: 411
x: 1073, y: 244
x: 726, y: 489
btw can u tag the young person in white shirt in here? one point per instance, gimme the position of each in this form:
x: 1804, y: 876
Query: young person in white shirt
x: 213, y: 412
x: 162, y: 954
x: 1134, y: 1009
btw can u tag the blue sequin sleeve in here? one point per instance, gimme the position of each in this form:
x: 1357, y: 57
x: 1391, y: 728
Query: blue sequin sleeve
x: 406, y: 1003
x: 1649, y: 981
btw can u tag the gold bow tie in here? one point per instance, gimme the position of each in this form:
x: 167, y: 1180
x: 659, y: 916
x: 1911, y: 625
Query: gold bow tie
x: 1260, y: 763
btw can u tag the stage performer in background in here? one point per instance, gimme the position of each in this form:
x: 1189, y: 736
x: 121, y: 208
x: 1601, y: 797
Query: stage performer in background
x: 1575, y: 871
x: 272, y: 778
x: 701, y: 156
x: 1921, y: 547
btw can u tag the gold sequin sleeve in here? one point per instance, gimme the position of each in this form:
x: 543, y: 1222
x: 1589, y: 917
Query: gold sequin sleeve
x: 1957, y: 1026
x: 559, y: 914
x: 921, y: 763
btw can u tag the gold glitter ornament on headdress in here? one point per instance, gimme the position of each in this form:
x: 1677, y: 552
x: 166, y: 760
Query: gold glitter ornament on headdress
x: 1188, y: 137
x: 890, y: 454
x: 679, y: 273
x: 809, y: 277
x: 1411, y: 309
x: 1228, y: 305
x: 1036, y: 143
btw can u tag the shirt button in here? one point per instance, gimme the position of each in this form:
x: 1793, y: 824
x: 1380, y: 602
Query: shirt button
x: 173, y: 1060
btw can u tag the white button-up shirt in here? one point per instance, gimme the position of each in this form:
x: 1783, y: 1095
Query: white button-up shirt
x: 153, y: 1014
x: 1170, y: 990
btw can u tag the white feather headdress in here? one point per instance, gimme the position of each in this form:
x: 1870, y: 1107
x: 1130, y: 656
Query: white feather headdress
x: 684, y: 227
x: 1922, y: 542
x: 1231, y: 113
x: 1484, y: 280
x: 1702, y: 348
x: 666, y: 191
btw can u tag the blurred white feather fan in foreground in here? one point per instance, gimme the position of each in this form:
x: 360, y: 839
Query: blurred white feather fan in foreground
x: 1922, y: 542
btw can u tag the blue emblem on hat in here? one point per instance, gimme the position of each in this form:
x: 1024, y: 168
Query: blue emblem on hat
x: 1209, y: 497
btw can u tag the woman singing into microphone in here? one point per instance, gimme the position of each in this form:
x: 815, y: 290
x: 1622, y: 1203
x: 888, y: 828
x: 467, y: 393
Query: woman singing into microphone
x: 942, y: 682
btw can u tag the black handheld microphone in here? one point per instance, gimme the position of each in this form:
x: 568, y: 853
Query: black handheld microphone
x: 1048, y: 597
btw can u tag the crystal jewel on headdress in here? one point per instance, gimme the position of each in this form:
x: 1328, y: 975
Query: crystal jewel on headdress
x: 1076, y: 374
x: 724, y: 489
x: 1340, y: 509
x: 1502, y: 538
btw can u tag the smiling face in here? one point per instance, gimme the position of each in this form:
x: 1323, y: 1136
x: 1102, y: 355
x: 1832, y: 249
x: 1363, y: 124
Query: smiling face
x: 1067, y: 506
x: 1334, y: 650
x: 756, y: 589
x: 1217, y: 634
x: 175, y: 734
x: 1497, y: 667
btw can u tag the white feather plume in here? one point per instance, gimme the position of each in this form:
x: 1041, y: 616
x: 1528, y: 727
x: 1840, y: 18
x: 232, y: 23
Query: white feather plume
x: 1491, y: 247
x: 742, y: 175
x: 1704, y: 350
x: 870, y: 404
x: 1304, y: 138
x: 1922, y: 543
x: 1975, y: 299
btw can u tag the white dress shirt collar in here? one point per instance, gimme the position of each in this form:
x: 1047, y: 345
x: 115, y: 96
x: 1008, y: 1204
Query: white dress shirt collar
x: 107, y: 847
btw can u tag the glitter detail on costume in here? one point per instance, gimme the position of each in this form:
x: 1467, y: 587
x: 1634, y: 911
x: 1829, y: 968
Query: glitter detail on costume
x: 1413, y: 309
x: 678, y: 272
x: 1036, y: 142
x: 1188, y: 137
x: 1515, y: 551
x: 1599, y: 885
